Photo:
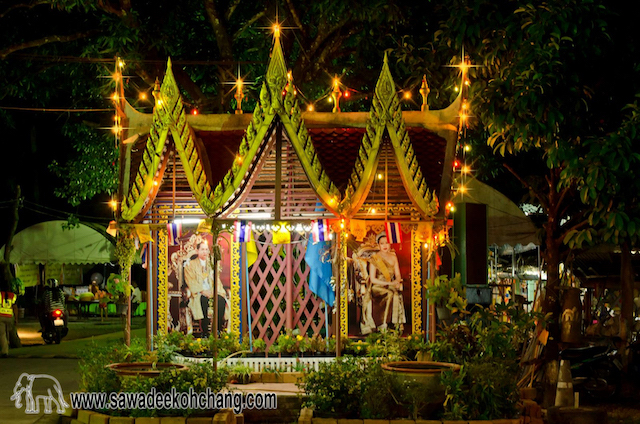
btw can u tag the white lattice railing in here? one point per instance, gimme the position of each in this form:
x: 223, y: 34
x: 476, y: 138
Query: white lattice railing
x: 263, y: 364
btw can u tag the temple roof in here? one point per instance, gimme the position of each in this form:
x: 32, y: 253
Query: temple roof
x: 337, y: 155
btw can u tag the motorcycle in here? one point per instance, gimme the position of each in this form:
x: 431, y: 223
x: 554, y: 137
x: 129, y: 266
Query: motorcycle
x: 55, y: 326
x: 596, y: 371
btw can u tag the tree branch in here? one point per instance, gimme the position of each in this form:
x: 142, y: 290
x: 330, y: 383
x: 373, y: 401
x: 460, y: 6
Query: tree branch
x: 563, y: 194
x: 249, y: 23
x: 219, y: 30
x: 323, y: 35
x: 576, y: 226
x: 23, y: 6
x: 296, y: 18
x: 232, y: 8
x: 106, y: 7
x: 46, y: 40
x: 535, y: 192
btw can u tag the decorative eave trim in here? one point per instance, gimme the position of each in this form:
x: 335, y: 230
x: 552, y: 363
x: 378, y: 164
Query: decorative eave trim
x: 228, y: 190
x: 168, y: 116
x: 153, y: 159
x: 386, y: 113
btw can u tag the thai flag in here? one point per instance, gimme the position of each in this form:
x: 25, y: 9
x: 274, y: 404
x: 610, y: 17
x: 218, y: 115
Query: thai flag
x: 143, y: 255
x: 242, y: 231
x: 174, y: 231
x: 394, y: 235
x: 320, y: 230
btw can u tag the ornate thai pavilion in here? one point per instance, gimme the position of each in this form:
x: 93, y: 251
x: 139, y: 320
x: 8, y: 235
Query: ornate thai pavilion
x: 282, y: 165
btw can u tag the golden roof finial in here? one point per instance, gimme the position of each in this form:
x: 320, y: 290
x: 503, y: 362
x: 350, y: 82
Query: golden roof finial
x: 424, y: 92
x: 336, y: 94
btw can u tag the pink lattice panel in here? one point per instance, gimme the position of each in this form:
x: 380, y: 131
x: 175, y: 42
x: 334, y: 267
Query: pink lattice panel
x: 268, y: 284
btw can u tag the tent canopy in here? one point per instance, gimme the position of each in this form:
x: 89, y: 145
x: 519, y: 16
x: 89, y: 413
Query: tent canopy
x: 49, y: 242
x: 507, y: 224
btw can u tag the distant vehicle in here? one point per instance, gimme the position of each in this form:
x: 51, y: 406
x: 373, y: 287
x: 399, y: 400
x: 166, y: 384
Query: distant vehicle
x: 55, y: 327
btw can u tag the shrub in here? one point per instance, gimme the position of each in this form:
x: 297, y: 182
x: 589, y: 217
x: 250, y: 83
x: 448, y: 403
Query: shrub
x: 484, y: 390
x: 353, y: 387
x: 94, y: 377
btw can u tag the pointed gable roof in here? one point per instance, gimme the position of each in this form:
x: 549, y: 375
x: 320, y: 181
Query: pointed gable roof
x: 358, y: 138
x: 386, y: 115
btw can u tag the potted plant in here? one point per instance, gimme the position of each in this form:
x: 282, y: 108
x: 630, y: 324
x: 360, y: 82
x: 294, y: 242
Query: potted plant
x: 448, y: 296
x: 120, y: 290
x: 240, y: 374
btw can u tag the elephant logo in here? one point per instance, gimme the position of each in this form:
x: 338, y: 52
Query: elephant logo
x: 38, y: 387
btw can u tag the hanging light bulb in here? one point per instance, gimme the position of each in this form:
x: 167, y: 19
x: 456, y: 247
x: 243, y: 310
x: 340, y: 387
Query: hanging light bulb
x: 310, y: 108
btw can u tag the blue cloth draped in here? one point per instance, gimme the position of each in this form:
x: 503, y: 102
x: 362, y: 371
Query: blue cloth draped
x: 318, y: 258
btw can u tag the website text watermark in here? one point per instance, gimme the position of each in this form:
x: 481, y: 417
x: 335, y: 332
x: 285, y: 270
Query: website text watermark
x: 237, y: 401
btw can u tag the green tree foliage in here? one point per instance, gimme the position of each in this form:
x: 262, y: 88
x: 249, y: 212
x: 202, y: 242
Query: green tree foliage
x: 533, y: 93
x: 61, y: 53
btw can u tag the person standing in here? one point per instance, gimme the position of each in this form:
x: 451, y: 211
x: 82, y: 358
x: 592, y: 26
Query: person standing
x: 7, y: 316
x: 136, y: 297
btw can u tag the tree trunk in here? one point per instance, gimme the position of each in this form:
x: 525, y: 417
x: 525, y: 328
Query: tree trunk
x: 627, y: 277
x: 6, y: 268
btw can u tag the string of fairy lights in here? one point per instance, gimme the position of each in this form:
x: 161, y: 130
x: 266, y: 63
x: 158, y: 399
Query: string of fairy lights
x: 335, y: 92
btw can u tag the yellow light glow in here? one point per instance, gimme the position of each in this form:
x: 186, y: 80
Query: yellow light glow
x: 310, y: 108
x: 453, y: 209
x: 426, y: 245
x: 239, y: 159
x: 463, y: 66
x: 289, y: 75
x: 159, y: 103
x: 462, y: 189
x: 463, y: 116
x: 115, y: 97
x: 342, y: 224
x: 467, y: 82
x: 239, y: 83
x: 467, y: 147
x: 466, y: 169
x: 276, y: 30
x: 373, y: 210
x: 113, y: 204
x: 464, y: 105
x: 115, y: 129
x: 155, y: 183
x: 330, y: 100
x: 121, y: 63
x: 407, y: 94
x: 380, y: 176
x: 336, y: 83
x: 456, y: 89
x: 143, y: 96
x: 332, y: 201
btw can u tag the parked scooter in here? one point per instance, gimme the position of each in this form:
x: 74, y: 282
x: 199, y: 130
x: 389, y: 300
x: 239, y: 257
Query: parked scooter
x: 53, y: 315
x: 595, y: 370
x: 55, y: 327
